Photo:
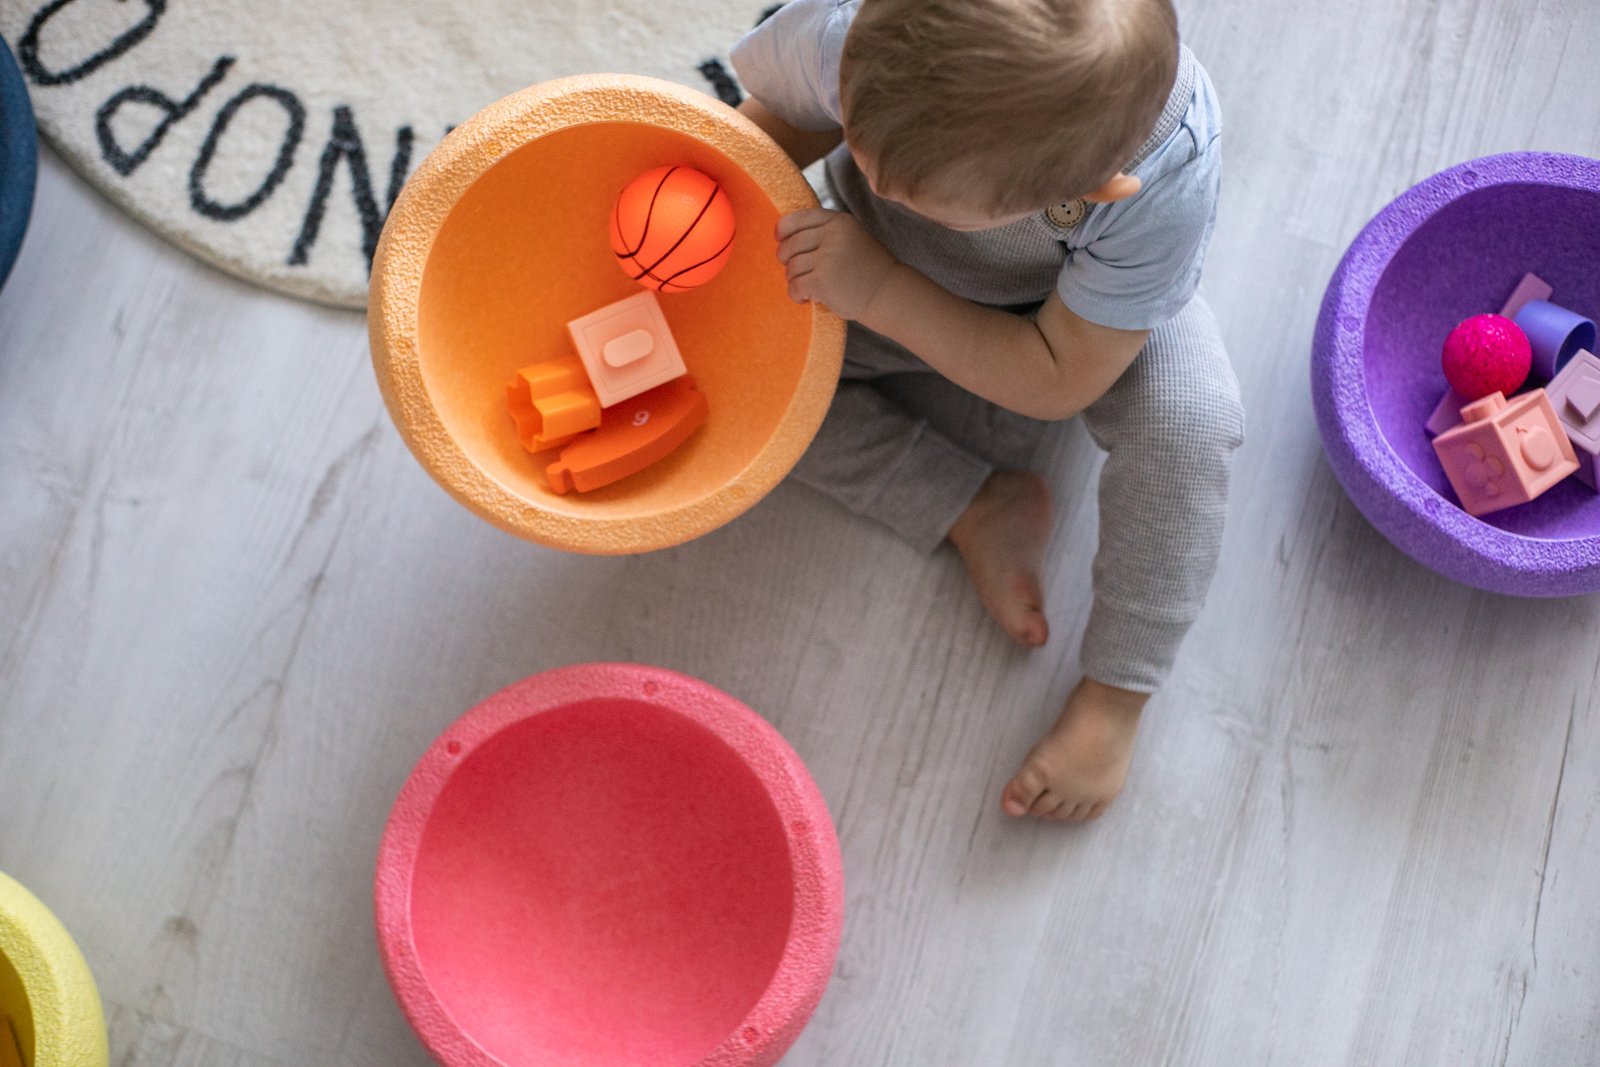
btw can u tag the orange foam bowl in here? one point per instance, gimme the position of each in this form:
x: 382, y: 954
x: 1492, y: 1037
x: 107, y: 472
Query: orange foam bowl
x: 500, y: 238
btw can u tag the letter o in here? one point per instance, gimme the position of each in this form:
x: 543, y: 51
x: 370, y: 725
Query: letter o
x: 291, y: 140
x: 28, y: 46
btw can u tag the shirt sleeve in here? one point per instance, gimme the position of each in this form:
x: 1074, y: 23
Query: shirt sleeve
x: 790, y: 62
x: 1144, y: 265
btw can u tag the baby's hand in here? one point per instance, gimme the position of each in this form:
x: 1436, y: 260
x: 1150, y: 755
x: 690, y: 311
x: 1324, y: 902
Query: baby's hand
x: 829, y: 258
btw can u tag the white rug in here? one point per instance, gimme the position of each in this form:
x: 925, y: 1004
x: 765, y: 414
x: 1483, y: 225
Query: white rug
x: 269, y: 137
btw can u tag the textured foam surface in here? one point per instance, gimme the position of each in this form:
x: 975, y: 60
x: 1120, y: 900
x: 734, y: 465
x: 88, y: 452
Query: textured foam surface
x: 46, y: 987
x: 1449, y: 248
x: 610, y: 865
x: 501, y: 237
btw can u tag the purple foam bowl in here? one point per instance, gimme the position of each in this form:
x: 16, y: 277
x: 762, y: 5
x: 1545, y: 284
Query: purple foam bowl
x: 1454, y: 246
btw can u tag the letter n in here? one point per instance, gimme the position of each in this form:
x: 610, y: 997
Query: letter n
x: 344, y: 142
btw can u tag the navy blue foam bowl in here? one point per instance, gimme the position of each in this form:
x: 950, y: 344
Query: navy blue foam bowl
x: 19, y: 159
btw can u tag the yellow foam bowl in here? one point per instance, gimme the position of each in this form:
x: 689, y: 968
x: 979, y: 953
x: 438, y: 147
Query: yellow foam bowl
x: 500, y: 238
x: 46, y: 989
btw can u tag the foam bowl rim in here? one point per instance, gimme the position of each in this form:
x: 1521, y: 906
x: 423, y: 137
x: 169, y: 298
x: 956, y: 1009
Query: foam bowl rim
x: 1404, y: 508
x: 421, y: 211
x: 816, y: 926
x: 68, y: 1018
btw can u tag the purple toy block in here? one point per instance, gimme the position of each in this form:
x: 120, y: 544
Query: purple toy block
x: 1575, y: 394
x: 1531, y: 287
x: 1446, y: 413
x: 1426, y: 262
x: 1505, y: 453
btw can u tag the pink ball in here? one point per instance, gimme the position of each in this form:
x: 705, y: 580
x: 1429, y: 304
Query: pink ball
x: 1487, y: 354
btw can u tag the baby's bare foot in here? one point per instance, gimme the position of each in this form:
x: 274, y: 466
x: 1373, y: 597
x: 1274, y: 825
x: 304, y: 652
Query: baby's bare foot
x: 1079, y: 766
x: 1001, y: 537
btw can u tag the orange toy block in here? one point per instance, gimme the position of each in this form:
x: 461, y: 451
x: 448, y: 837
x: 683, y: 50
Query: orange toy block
x: 551, y: 402
x: 632, y: 435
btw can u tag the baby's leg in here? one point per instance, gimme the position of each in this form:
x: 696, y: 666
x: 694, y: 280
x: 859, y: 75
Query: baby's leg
x: 878, y: 461
x: 882, y: 454
x: 1169, y: 425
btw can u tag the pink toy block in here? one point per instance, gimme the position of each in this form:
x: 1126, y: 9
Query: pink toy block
x: 1446, y: 413
x: 1575, y: 394
x: 1505, y: 453
x: 627, y: 348
x: 1531, y: 287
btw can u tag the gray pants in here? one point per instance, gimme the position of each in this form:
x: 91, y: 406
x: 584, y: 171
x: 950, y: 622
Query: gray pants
x: 889, y: 450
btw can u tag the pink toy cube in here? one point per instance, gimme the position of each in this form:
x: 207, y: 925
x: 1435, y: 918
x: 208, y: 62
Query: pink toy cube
x: 1531, y: 287
x: 627, y: 348
x: 1575, y: 395
x: 1446, y: 413
x: 1505, y: 453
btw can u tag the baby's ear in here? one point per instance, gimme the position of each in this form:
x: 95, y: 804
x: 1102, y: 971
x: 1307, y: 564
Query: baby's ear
x: 1119, y: 188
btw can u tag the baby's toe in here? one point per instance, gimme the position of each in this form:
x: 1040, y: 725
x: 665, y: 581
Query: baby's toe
x: 1023, y: 793
x: 1046, y: 803
x: 1031, y: 629
x: 1026, y: 623
x: 1060, y: 812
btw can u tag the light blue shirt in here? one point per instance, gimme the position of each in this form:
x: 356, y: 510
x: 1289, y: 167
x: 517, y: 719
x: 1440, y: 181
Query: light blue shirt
x: 1131, y: 265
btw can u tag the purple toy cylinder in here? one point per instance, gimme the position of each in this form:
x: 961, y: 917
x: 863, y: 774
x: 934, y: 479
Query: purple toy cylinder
x: 1556, y: 335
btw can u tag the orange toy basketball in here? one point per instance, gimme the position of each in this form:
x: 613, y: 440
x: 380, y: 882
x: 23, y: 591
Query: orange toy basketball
x: 672, y: 229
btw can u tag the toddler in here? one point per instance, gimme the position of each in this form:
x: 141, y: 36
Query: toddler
x: 1028, y: 189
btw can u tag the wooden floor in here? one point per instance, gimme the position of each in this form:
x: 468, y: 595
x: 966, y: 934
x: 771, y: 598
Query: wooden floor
x: 1363, y: 822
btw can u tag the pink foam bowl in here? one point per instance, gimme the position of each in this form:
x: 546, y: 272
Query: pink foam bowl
x: 609, y: 865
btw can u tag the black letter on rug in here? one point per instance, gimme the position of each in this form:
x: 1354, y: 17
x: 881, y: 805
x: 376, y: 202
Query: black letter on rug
x: 291, y: 140
x: 726, y: 88
x: 125, y: 163
x: 344, y: 142
x: 28, y: 46
x: 399, y: 166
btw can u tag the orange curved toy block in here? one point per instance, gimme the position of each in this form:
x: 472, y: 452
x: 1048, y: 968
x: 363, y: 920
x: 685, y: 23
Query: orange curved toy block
x: 632, y: 435
x: 552, y: 402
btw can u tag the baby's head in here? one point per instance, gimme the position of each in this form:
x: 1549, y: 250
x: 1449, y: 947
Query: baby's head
x: 978, y: 112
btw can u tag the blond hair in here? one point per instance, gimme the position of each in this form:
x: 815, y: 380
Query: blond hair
x: 1034, y: 101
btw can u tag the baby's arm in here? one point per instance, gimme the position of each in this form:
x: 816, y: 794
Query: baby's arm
x: 1049, y: 369
x: 805, y: 147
